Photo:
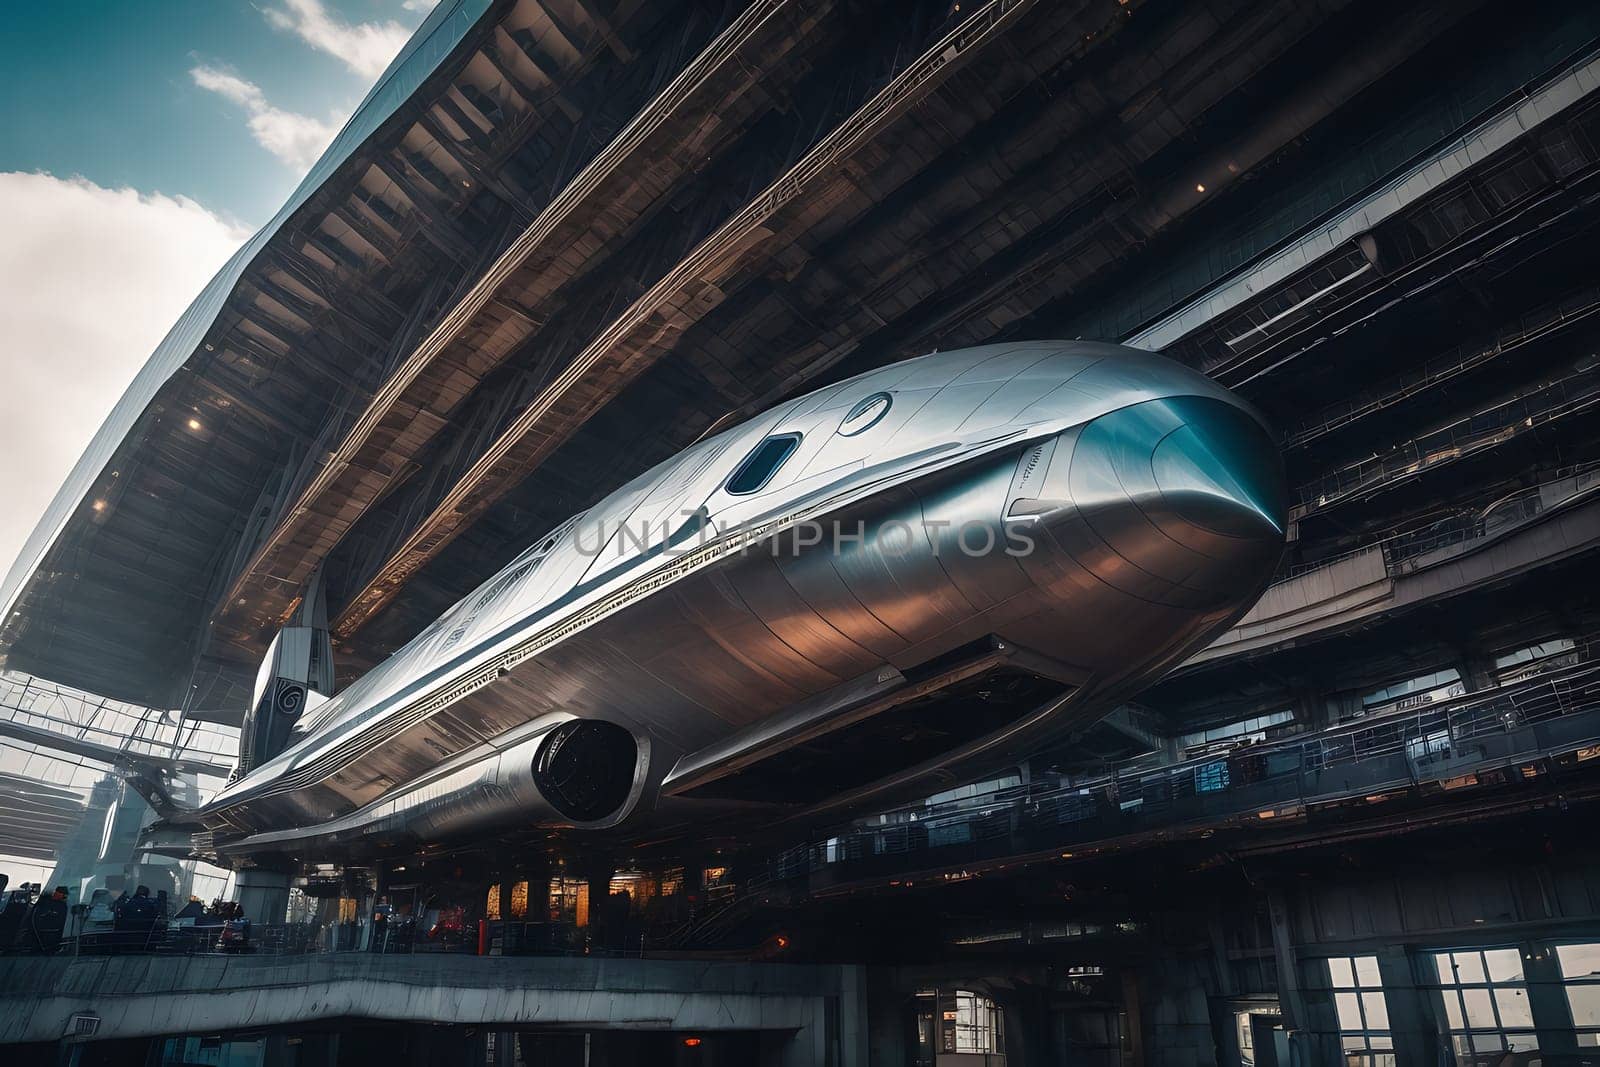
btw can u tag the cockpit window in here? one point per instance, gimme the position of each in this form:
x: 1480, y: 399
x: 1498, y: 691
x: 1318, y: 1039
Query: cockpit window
x: 759, y: 466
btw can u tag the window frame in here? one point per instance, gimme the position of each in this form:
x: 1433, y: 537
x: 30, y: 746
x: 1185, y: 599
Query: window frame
x: 1471, y: 1040
x: 793, y: 442
x: 1588, y: 1034
x: 979, y: 1025
x: 1367, y: 1043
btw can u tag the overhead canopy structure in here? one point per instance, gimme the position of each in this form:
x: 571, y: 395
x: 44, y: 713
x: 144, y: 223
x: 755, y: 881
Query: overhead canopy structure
x: 562, y: 239
x: 36, y: 814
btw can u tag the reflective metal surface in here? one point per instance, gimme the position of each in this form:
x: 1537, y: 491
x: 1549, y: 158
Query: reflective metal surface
x: 1049, y: 525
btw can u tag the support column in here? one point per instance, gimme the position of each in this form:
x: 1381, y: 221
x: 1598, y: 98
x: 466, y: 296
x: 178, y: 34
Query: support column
x: 1132, y: 1011
x: 536, y: 872
x: 1224, y: 1029
x: 852, y: 1016
x: 1547, y: 999
x: 505, y: 1048
x: 694, y: 886
x: 1312, y: 711
x: 1343, y: 706
x: 597, y: 874
x: 1303, y: 1041
x: 278, y: 1052
x: 1411, y: 1020
x: 319, y: 1049
x: 1477, y: 670
x: 264, y: 895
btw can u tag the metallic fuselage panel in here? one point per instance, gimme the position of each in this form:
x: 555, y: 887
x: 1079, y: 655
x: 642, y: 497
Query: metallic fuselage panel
x: 1101, y: 507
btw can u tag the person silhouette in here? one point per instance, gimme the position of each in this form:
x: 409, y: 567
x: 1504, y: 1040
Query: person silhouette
x: 46, y: 923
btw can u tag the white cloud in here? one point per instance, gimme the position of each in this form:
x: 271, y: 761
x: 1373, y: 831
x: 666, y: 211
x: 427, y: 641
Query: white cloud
x: 364, y: 47
x: 296, y: 139
x: 420, y: 6
x: 93, y: 278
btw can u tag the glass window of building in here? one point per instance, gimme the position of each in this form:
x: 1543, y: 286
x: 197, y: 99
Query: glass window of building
x: 1415, y: 692
x: 1254, y: 728
x: 923, y: 1054
x: 717, y: 885
x: 1486, y: 1004
x: 1357, y: 992
x: 970, y: 1023
x: 640, y: 887
x: 1211, y: 777
x: 568, y: 901
x: 1580, y: 974
x: 1524, y: 662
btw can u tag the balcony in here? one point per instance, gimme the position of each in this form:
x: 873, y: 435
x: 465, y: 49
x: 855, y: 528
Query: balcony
x: 1531, y: 527
x: 1508, y: 737
x: 1546, y: 322
x: 1561, y: 399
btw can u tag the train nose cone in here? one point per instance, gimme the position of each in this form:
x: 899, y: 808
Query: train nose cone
x: 1219, y: 472
x: 1179, y: 500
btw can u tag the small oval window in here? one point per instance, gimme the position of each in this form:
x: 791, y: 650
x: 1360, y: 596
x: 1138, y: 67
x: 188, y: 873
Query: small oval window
x: 759, y: 466
x: 865, y: 415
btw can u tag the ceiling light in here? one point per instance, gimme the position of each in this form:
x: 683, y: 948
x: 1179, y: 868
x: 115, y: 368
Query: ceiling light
x: 1199, y: 188
x: 99, y: 505
x: 194, y: 424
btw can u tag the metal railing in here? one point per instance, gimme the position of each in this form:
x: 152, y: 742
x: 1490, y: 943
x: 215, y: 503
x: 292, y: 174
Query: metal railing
x: 1534, y: 325
x: 130, y: 729
x: 395, y: 937
x: 1429, y: 743
x: 1401, y: 549
x: 1475, y: 433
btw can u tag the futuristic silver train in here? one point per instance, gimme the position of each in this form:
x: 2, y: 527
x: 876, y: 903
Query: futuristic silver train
x: 921, y: 572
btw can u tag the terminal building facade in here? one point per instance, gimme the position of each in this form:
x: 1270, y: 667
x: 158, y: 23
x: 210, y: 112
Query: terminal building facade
x: 563, y: 240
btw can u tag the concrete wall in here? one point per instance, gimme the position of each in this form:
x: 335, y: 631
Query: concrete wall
x: 1176, y: 1013
x: 132, y: 996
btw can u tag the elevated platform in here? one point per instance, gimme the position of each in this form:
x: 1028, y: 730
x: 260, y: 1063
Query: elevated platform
x: 1367, y: 585
x: 46, y: 1000
x: 1514, y: 748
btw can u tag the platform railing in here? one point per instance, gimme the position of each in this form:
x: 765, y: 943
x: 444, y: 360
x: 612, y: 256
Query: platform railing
x: 1574, y: 393
x: 1403, y: 549
x: 1538, y: 323
x: 395, y: 937
x: 1551, y: 711
x: 1437, y: 741
x: 134, y: 730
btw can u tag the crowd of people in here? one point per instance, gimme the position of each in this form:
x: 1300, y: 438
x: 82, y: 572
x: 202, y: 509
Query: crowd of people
x: 34, y: 922
x: 38, y: 923
x: 30, y: 920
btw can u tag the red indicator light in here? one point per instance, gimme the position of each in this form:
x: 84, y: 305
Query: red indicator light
x: 692, y: 1042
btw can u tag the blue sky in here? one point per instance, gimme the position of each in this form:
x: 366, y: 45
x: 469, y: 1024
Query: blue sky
x: 141, y: 141
x: 107, y: 89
